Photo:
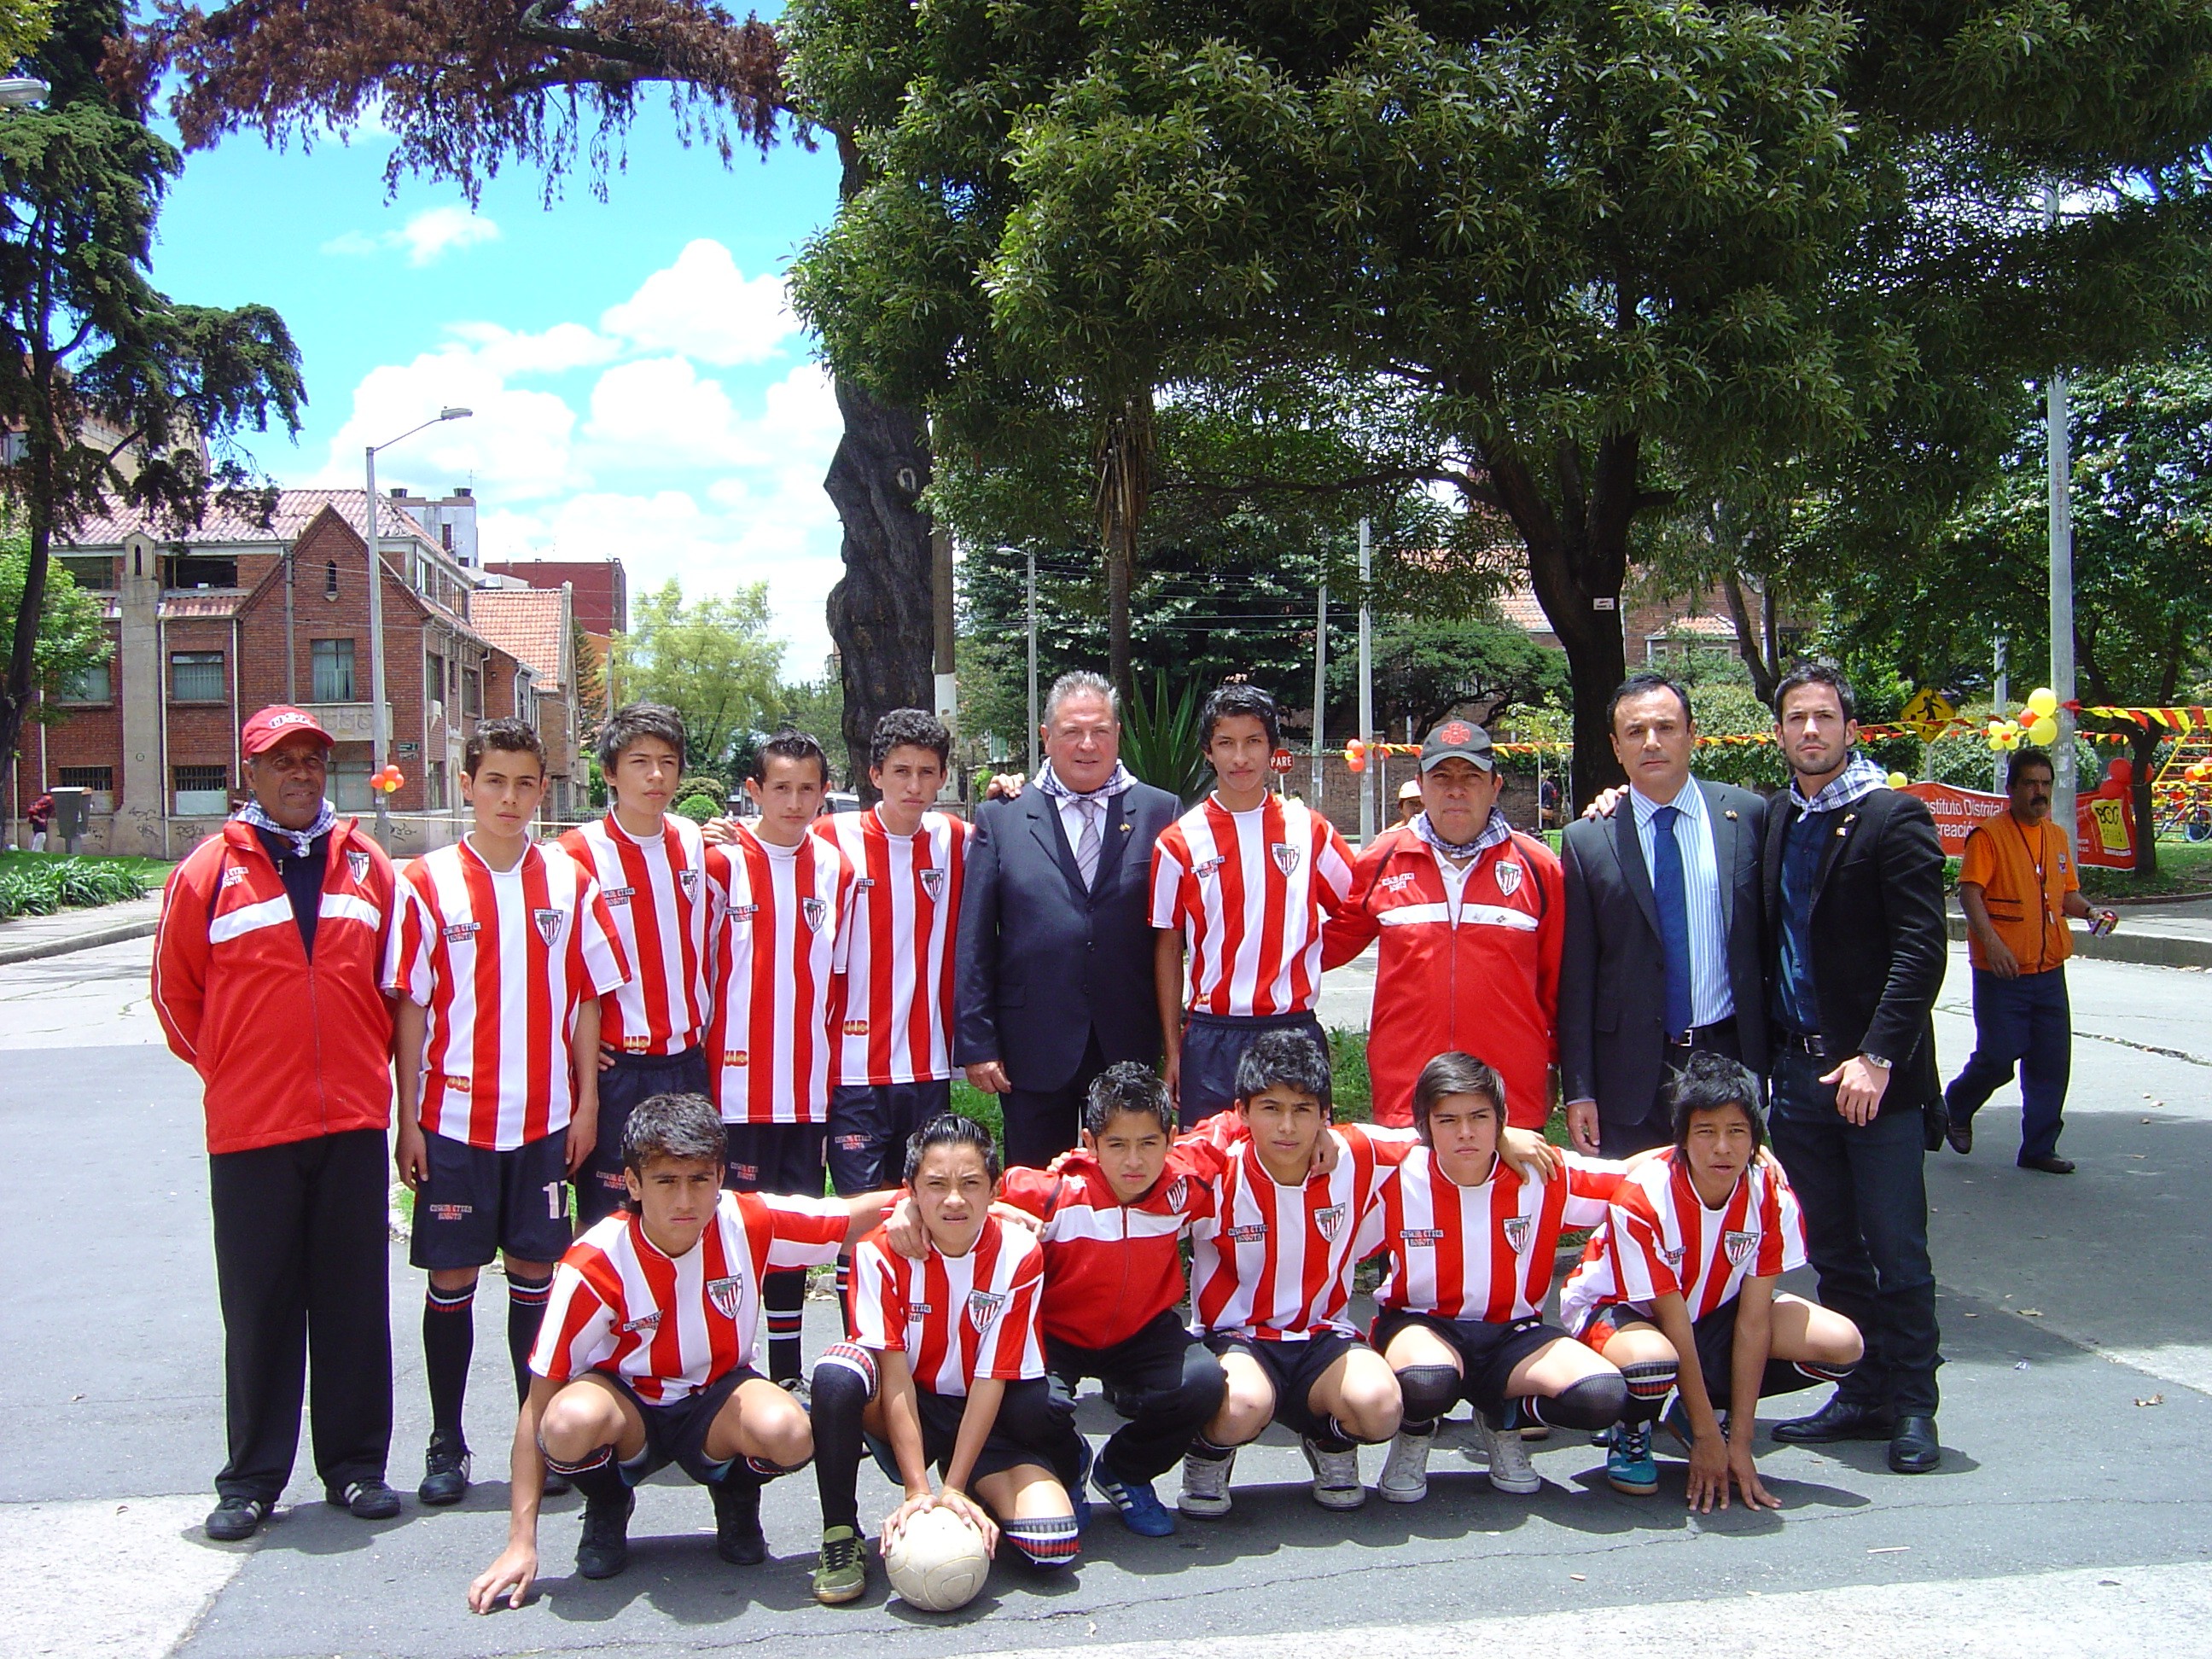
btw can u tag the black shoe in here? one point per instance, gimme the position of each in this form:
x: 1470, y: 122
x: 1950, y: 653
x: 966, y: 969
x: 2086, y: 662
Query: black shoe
x: 1839, y: 1419
x: 444, y: 1473
x: 1913, y: 1447
x: 2050, y: 1163
x: 1959, y: 1132
x: 365, y: 1500
x: 556, y: 1484
x: 604, y: 1549
x: 236, y: 1518
x: 738, y: 1537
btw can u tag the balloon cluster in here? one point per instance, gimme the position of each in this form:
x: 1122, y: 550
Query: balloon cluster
x: 2039, y: 724
x: 388, y: 780
x: 2200, y: 773
x: 1355, y: 756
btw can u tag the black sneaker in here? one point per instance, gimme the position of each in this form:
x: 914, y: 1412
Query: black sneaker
x: 556, y: 1484
x: 603, y: 1551
x: 444, y: 1473
x: 737, y: 1538
x: 365, y: 1500
x: 236, y: 1518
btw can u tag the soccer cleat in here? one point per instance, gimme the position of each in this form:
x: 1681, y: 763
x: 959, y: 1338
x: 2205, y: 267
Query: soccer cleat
x: 1510, y: 1467
x: 840, y: 1574
x: 1405, y: 1471
x: 1206, y: 1486
x: 236, y: 1518
x: 1141, y: 1511
x: 603, y: 1550
x: 737, y: 1538
x: 1677, y: 1420
x: 444, y: 1473
x: 1629, y: 1466
x: 365, y: 1500
x: 1335, y: 1476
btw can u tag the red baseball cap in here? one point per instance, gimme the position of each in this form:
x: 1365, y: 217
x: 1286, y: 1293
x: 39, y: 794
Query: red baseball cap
x: 274, y: 724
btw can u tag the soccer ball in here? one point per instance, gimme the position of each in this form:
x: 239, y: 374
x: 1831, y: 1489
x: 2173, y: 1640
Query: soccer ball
x: 936, y: 1563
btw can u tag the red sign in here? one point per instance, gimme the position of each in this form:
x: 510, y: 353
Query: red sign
x: 1281, y: 761
x: 2105, y: 821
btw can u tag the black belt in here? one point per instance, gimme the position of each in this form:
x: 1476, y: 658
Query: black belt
x: 1696, y: 1034
x: 1806, y: 1042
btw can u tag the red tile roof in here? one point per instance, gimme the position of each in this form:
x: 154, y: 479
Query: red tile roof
x: 296, y: 509
x: 529, y: 624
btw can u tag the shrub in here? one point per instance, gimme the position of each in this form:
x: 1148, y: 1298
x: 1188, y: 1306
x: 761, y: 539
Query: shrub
x: 699, y: 808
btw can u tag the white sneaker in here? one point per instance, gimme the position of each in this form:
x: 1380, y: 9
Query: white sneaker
x: 1336, y: 1477
x: 1206, y: 1486
x: 1510, y: 1467
x: 1405, y: 1470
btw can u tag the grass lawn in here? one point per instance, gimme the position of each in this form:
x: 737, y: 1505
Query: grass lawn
x: 2185, y: 871
x: 152, y: 871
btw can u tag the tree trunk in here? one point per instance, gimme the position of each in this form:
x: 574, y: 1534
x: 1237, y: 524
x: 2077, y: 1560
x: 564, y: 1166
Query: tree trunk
x: 1754, y: 637
x: 23, y: 644
x: 1124, y: 491
x: 880, y: 612
x: 2142, y: 750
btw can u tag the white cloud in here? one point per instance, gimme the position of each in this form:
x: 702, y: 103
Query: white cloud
x: 704, y: 306
x: 659, y: 412
x: 561, y: 348
x: 427, y: 237
x: 516, y: 444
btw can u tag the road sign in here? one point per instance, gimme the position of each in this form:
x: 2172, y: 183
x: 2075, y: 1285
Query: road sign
x: 1281, y: 761
x: 1928, y: 713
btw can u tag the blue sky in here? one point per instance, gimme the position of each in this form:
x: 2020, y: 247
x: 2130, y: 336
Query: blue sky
x: 640, y: 389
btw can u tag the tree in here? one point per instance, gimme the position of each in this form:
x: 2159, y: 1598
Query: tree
x: 711, y: 660
x: 590, y: 684
x: 466, y: 87
x: 23, y: 25
x: 110, y: 391
x: 1428, y: 667
x: 72, y: 633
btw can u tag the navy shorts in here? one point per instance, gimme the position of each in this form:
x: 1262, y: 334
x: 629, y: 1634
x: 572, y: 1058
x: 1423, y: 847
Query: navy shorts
x: 632, y: 1078
x: 478, y: 1202
x: 677, y: 1432
x: 870, y: 1124
x: 1212, y: 1046
x: 775, y: 1157
x: 1005, y: 1448
x: 1487, y: 1352
x: 1293, y: 1369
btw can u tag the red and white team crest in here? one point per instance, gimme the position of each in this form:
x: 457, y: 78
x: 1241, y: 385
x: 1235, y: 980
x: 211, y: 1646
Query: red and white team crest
x: 1517, y: 1232
x: 1509, y: 878
x: 983, y: 1307
x: 727, y: 1295
x: 549, y: 924
x: 932, y: 882
x: 1330, y: 1221
x: 1456, y: 732
x: 1739, y: 1246
x: 1286, y: 856
x: 1178, y: 1191
x: 358, y: 863
x: 816, y: 913
x: 690, y: 881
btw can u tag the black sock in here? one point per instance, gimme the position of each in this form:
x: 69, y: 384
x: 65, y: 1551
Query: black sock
x: 783, y: 1301
x: 1334, y: 1436
x: 844, y: 1292
x: 1206, y: 1452
x: 449, y: 1339
x: 601, y: 1484
x: 1590, y: 1402
x: 1647, y: 1382
x: 526, y: 1310
x: 1428, y: 1391
x: 844, y: 1380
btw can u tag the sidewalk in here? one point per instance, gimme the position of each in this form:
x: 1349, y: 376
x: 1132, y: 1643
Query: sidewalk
x: 2173, y: 934
x: 26, y: 939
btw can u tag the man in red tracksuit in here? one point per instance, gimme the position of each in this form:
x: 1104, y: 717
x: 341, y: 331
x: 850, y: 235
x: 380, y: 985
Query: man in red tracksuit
x: 265, y: 981
x: 1472, y: 916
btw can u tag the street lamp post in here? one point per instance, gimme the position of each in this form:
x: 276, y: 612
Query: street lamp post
x: 18, y: 90
x: 379, y: 736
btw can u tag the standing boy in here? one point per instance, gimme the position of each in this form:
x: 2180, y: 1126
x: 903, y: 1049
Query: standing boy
x: 651, y: 869
x: 779, y: 940
x: 1243, y: 881
x: 499, y: 961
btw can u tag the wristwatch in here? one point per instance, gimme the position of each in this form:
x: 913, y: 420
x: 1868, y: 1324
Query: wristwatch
x: 1875, y: 1061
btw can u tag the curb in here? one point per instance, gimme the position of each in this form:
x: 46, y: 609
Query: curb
x: 2151, y: 949
x: 114, y: 933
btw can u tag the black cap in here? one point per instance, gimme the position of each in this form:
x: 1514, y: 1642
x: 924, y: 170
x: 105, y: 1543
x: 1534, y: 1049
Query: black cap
x: 1458, y: 739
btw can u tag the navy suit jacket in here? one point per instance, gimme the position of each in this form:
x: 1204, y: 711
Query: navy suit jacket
x: 1042, y: 962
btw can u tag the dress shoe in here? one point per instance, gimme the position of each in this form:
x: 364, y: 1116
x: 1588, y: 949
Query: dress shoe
x: 1839, y: 1419
x: 1959, y: 1132
x: 2050, y: 1163
x: 1913, y: 1448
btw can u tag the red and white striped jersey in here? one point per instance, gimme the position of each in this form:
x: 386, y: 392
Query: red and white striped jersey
x: 1483, y: 1252
x: 780, y: 934
x: 669, y: 1325
x: 656, y: 891
x: 895, y: 1021
x: 1275, y: 1262
x: 1659, y: 1238
x: 1249, y: 891
x: 956, y: 1317
x: 503, y: 959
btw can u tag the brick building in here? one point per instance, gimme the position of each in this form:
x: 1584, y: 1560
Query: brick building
x: 599, y: 588
x: 536, y: 628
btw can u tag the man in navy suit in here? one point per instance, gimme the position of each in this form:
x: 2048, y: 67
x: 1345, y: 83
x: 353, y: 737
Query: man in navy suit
x: 1055, y: 951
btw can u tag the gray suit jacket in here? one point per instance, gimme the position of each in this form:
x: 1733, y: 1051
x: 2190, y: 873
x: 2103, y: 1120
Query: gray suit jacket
x: 1613, y: 975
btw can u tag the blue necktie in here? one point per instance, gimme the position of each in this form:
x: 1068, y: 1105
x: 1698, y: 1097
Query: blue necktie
x: 1671, y: 894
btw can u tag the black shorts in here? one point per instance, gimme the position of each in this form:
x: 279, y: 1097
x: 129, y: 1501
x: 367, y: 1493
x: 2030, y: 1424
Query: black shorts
x: 870, y: 1124
x: 631, y: 1078
x: 940, y: 1416
x: 1293, y: 1369
x: 1212, y: 1046
x: 677, y: 1432
x: 1715, y: 1335
x: 478, y: 1202
x: 775, y: 1157
x: 1487, y: 1352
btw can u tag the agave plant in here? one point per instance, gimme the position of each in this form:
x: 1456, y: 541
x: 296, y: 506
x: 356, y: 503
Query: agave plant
x: 1159, y: 740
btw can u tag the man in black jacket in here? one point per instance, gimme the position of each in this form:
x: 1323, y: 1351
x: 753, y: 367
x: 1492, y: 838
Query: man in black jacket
x: 1055, y: 951
x: 1662, y: 956
x: 1853, y: 880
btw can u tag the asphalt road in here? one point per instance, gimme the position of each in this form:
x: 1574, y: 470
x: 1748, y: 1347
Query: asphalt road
x: 2066, y: 1516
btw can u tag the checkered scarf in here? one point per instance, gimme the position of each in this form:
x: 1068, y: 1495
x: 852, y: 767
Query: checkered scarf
x: 1120, y: 783
x: 1496, y: 833
x: 1860, y: 777
x: 302, y: 840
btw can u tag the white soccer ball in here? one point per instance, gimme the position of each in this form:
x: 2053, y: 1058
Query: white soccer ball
x: 937, y: 1562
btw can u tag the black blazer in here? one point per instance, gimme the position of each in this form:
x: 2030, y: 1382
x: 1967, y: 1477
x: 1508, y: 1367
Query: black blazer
x: 1042, y: 962
x: 1612, y: 971
x: 1879, y: 944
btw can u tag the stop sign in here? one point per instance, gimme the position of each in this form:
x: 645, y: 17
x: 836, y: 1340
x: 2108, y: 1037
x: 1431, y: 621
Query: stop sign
x: 1280, y: 761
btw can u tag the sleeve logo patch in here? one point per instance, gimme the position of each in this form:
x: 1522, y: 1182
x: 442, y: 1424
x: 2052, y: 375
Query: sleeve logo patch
x: 643, y: 1323
x: 1422, y: 1238
x: 234, y: 875
x: 1251, y: 1233
x: 457, y: 932
x: 856, y: 1028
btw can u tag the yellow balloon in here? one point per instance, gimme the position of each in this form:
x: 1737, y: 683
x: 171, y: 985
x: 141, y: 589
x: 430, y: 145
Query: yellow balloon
x: 2043, y: 702
x: 1897, y: 780
x: 2043, y: 732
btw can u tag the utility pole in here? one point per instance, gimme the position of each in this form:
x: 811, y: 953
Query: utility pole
x: 1033, y: 686
x: 1366, y: 687
x: 1321, y: 682
x: 2004, y: 697
x: 946, y: 677
x: 2062, y: 584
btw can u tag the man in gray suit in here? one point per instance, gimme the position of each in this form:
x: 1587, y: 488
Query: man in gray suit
x: 1663, y: 955
x: 1055, y: 949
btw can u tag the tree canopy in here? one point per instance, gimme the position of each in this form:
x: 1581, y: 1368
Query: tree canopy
x: 710, y: 659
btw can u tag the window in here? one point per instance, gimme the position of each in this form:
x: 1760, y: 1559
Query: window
x: 94, y: 683
x: 331, y: 580
x: 94, y: 573
x: 333, y: 666
x: 201, y: 791
x: 471, y: 695
x: 445, y: 535
x: 101, y: 779
x: 190, y: 570
x: 196, y: 677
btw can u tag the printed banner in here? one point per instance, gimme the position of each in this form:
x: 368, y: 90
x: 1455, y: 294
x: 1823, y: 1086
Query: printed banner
x: 2105, y: 827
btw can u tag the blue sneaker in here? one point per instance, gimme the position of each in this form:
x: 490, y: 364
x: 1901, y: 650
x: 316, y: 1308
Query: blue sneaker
x: 1628, y: 1466
x: 1141, y: 1512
